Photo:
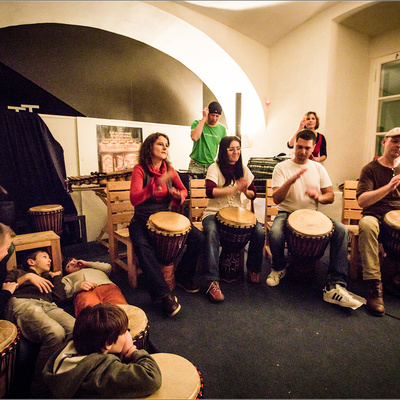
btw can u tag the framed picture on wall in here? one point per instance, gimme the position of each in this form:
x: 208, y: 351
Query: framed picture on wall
x: 118, y: 147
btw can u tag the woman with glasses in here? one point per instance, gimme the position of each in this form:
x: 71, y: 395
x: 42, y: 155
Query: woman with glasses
x: 310, y: 121
x: 228, y: 183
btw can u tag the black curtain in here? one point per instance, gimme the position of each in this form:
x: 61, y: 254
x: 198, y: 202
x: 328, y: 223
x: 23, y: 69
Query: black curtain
x: 32, y: 168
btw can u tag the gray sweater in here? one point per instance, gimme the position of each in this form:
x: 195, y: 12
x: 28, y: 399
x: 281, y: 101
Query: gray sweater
x: 97, y: 272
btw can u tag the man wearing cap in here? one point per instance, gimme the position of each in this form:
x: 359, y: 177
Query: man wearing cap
x: 377, y: 193
x: 206, y: 134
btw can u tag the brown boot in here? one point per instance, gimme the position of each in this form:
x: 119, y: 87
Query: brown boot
x: 375, y: 298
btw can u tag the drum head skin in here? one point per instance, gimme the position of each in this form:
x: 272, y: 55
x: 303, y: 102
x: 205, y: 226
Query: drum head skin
x: 392, y: 218
x: 46, y: 208
x: 236, y: 216
x: 180, y: 378
x: 137, y: 319
x: 310, y: 222
x: 168, y: 222
x: 8, y: 333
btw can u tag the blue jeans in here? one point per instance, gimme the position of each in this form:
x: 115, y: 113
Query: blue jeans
x: 146, y: 255
x: 211, y: 254
x: 338, y: 265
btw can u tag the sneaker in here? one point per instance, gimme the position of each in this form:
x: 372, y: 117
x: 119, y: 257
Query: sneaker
x: 188, y: 286
x: 214, y: 292
x: 253, y: 277
x: 340, y: 296
x: 171, y: 305
x: 274, y: 277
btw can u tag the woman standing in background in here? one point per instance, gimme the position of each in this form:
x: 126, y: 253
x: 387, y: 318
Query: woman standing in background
x: 311, y: 121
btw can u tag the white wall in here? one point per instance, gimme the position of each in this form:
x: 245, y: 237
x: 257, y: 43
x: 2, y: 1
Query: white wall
x: 163, y: 31
x: 346, y: 103
x: 319, y: 66
x: 77, y: 136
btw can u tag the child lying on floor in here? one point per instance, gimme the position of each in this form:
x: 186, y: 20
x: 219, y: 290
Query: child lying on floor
x: 89, y: 282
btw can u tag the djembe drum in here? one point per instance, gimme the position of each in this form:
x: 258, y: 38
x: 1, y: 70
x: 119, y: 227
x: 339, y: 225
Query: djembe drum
x: 138, y: 325
x: 180, y: 378
x: 48, y: 217
x: 390, y: 234
x: 307, y: 235
x: 168, y: 231
x: 9, y: 341
x: 235, y: 226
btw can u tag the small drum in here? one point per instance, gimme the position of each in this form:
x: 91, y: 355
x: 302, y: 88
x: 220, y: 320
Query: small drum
x: 308, y: 233
x: 48, y: 217
x: 138, y: 325
x: 180, y: 378
x: 9, y: 341
x: 235, y: 226
x: 168, y: 231
x: 390, y: 234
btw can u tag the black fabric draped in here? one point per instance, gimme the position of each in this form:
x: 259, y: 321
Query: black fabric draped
x: 32, y: 167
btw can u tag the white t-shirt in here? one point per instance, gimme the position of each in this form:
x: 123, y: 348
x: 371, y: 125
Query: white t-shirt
x: 214, y: 205
x: 315, y: 177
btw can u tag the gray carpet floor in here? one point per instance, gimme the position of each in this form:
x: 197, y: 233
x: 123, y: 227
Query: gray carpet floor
x: 275, y: 342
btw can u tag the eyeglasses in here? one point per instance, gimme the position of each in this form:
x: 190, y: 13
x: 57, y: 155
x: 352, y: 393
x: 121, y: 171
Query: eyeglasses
x: 234, y: 148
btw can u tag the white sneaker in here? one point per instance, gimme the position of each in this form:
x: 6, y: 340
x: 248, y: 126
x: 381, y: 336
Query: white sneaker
x: 340, y: 296
x: 274, y: 277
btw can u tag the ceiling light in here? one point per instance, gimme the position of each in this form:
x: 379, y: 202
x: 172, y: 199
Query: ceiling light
x: 233, y: 5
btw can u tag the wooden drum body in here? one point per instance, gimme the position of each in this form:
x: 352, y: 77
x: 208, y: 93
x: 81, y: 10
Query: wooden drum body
x: 390, y: 234
x: 235, y: 226
x: 308, y: 233
x: 48, y: 217
x: 180, y: 378
x: 9, y: 340
x: 168, y: 232
x: 138, y: 325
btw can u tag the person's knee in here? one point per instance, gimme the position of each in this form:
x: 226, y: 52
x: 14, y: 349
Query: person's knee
x: 368, y: 227
x: 340, y: 230
x: 54, y: 335
x: 276, y: 234
x: 259, y: 235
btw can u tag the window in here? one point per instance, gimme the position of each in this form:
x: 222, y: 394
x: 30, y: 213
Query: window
x: 388, y: 100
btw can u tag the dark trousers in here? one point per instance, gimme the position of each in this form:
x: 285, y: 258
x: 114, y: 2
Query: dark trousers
x: 146, y: 255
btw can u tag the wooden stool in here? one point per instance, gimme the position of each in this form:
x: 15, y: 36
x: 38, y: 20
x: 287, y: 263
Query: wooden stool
x: 34, y: 241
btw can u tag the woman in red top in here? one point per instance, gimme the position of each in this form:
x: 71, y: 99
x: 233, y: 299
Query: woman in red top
x: 154, y: 186
x: 311, y: 121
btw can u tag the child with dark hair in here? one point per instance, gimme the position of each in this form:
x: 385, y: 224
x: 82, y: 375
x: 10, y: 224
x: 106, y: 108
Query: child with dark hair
x: 34, y: 308
x: 89, y: 282
x: 101, y: 361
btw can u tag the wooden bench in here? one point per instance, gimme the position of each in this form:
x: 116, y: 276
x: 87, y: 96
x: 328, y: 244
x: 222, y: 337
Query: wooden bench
x: 198, y: 201
x: 37, y: 240
x: 351, y: 214
x: 271, y: 210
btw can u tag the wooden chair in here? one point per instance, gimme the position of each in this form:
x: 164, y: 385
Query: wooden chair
x: 119, y: 214
x: 271, y: 211
x: 351, y: 214
x: 198, y: 201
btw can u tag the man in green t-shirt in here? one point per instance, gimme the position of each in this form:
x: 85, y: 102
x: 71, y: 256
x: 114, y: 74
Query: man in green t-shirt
x: 206, y: 134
